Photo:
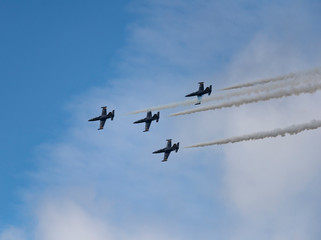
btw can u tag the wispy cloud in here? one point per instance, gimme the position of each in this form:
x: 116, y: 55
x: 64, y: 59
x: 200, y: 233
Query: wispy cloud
x: 12, y: 233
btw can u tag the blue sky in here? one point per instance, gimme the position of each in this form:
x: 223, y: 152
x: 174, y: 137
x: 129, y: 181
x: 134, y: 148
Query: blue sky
x: 50, y: 51
x: 62, y: 60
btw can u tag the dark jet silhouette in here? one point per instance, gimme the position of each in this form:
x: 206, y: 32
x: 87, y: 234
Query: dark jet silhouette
x: 167, y: 150
x: 103, y: 117
x: 148, y: 120
x: 201, y: 91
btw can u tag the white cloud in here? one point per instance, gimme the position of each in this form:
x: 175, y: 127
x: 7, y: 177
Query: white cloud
x: 271, y: 183
x: 60, y: 219
x: 69, y: 221
x: 12, y: 233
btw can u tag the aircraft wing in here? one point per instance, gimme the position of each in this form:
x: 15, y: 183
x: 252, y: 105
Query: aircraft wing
x: 104, y: 111
x: 169, y: 143
x: 102, y: 124
x: 166, y: 155
x: 201, y: 87
x: 147, y: 125
x: 149, y: 114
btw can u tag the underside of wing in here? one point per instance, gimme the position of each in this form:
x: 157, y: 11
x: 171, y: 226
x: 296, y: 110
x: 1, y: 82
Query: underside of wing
x: 201, y: 87
x: 166, y: 155
x: 104, y: 111
x: 102, y: 124
x: 147, y: 125
x: 169, y: 143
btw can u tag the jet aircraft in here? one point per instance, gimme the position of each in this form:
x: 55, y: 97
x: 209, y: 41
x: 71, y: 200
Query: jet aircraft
x: 148, y: 120
x: 103, y: 117
x: 201, y: 91
x: 168, y: 149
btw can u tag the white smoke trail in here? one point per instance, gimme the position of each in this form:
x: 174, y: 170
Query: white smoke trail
x: 263, y: 81
x: 208, y: 99
x: 289, y: 80
x: 269, y: 80
x: 294, y: 129
x: 167, y: 106
x: 280, y: 93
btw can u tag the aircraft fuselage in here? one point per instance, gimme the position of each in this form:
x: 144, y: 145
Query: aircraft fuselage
x: 166, y: 149
x: 102, y: 117
x: 199, y: 93
x: 147, y: 119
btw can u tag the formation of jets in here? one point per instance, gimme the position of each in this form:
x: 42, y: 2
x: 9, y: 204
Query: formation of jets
x: 150, y: 117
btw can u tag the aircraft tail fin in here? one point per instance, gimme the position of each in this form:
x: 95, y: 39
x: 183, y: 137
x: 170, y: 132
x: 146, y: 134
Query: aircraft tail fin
x: 112, y: 115
x: 177, y: 147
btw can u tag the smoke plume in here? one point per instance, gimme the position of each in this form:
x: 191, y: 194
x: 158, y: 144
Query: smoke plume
x: 294, y: 129
x: 266, y: 85
x: 310, y: 87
